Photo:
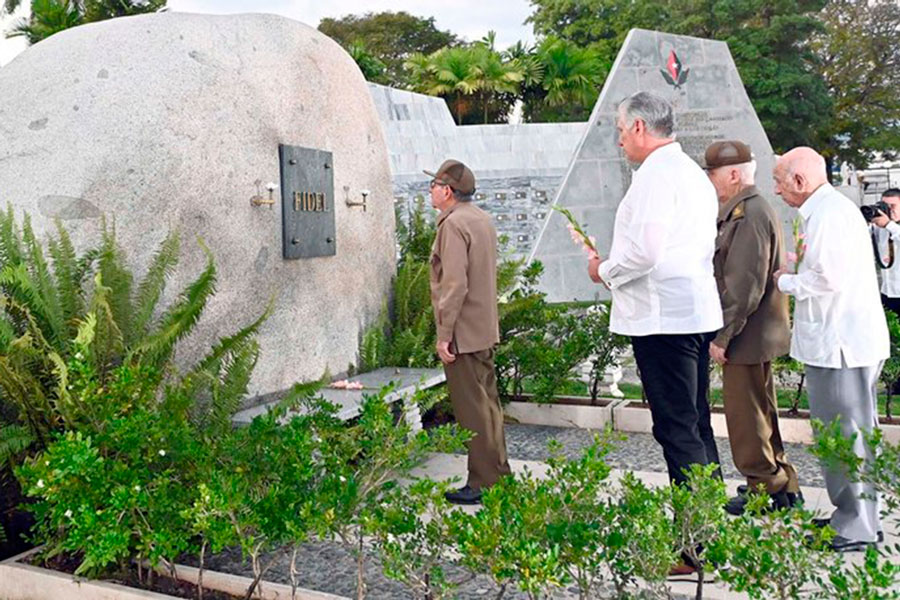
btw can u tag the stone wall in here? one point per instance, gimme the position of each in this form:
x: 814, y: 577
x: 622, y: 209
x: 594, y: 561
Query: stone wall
x: 518, y: 168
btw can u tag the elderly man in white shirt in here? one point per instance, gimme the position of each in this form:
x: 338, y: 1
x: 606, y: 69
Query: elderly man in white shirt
x: 840, y: 332
x: 660, y: 274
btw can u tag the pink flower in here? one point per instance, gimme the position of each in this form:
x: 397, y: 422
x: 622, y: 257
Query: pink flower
x: 344, y: 384
x: 791, y: 256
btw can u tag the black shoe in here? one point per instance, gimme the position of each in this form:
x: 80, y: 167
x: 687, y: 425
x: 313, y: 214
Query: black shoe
x: 822, y: 523
x: 841, y: 544
x: 464, y: 495
x: 779, y: 500
x: 736, y: 505
x: 782, y: 500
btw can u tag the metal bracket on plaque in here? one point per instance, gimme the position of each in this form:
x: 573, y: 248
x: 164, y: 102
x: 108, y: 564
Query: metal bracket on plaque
x: 307, y: 202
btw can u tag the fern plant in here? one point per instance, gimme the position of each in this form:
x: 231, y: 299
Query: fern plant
x: 86, y: 307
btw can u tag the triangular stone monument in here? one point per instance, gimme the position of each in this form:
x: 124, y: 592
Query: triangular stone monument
x: 699, y: 77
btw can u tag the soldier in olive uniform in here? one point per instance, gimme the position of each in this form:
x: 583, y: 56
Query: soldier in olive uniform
x: 749, y: 249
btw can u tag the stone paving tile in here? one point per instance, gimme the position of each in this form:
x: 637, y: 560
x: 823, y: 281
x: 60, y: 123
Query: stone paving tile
x: 638, y: 451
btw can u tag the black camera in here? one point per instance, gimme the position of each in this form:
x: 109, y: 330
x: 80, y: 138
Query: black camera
x: 870, y: 211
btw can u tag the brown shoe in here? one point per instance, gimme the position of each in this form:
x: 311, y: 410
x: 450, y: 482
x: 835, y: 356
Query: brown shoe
x: 682, y: 571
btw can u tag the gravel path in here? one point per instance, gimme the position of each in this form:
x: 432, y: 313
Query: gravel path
x: 638, y: 451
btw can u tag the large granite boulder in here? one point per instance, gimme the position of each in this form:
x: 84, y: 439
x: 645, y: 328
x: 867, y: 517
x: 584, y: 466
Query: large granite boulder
x: 174, y: 121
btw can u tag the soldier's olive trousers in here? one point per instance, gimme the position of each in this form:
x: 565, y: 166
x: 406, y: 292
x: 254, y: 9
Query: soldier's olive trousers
x: 751, y: 413
x: 476, y: 406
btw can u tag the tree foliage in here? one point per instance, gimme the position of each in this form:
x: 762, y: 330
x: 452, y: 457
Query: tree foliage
x: 52, y: 16
x: 389, y: 37
x: 861, y: 66
x: 768, y: 41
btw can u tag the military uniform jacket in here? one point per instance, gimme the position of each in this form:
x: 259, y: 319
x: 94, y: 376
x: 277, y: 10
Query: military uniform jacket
x: 464, y: 279
x: 749, y: 249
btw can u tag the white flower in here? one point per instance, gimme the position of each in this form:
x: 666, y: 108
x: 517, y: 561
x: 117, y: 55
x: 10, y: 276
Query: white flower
x: 40, y: 483
x: 47, y: 463
x: 68, y: 514
x: 137, y: 488
x: 79, y: 355
x: 162, y: 452
x: 343, y: 479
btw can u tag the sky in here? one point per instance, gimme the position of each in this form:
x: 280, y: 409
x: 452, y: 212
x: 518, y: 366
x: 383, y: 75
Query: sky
x: 470, y: 19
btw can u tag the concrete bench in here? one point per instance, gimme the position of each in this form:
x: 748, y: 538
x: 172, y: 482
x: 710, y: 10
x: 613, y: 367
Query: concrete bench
x: 407, y: 383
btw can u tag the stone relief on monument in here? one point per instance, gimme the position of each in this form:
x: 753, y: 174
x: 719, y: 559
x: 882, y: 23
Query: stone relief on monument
x: 700, y: 79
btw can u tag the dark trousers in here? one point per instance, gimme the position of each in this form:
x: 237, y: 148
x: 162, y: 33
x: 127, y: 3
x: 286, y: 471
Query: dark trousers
x: 675, y: 375
x: 473, y: 393
x: 891, y: 304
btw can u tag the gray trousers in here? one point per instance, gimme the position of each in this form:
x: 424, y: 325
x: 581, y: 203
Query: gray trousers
x: 850, y: 394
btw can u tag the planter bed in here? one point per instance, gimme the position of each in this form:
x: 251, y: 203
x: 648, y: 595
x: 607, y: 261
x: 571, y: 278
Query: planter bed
x: 21, y: 580
x: 634, y: 416
x: 564, y: 411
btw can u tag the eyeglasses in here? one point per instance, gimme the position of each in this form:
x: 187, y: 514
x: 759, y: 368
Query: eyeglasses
x: 435, y: 182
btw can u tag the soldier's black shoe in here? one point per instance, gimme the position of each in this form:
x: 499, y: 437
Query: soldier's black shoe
x: 464, y: 495
x: 779, y: 500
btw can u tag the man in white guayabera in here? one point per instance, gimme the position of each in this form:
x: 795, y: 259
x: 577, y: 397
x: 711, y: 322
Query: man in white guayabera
x: 660, y: 274
x: 840, y: 332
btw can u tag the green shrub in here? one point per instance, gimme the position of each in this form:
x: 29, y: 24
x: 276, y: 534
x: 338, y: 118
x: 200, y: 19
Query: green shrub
x: 46, y: 307
x: 412, y: 533
x: 772, y: 554
x: 880, y: 572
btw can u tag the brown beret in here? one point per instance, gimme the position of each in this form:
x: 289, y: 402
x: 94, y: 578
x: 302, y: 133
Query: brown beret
x: 455, y: 174
x: 727, y: 152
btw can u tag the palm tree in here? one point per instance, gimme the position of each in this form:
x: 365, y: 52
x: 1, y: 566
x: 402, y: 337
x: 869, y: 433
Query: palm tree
x: 493, y: 75
x: 372, y: 68
x: 455, y: 74
x: 47, y: 17
x: 571, y: 74
x: 51, y: 16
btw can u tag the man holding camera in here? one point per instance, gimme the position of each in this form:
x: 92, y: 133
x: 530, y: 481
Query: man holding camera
x: 840, y: 333
x: 888, y: 213
x: 749, y: 248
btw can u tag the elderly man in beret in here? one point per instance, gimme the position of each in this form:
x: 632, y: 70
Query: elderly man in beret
x: 464, y: 297
x: 749, y: 249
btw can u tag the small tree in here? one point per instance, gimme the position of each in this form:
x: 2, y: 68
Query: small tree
x: 507, y: 539
x: 880, y: 572
x: 699, y: 519
x: 605, y: 346
x: 413, y: 539
x: 363, y: 464
x: 890, y: 372
x: 639, y: 540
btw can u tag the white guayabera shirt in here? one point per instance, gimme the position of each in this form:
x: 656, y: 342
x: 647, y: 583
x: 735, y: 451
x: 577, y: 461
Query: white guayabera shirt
x: 660, y: 269
x: 890, y: 277
x: 838, y: 310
